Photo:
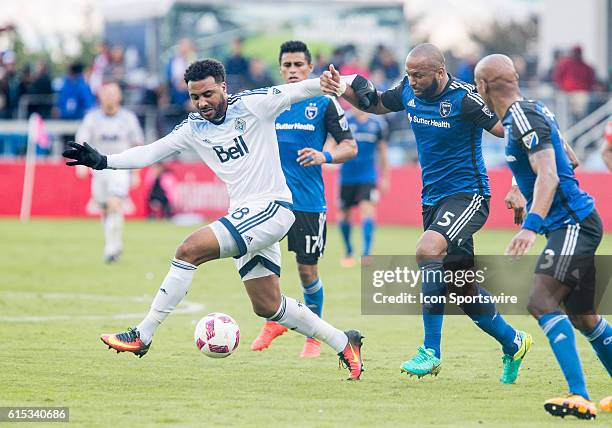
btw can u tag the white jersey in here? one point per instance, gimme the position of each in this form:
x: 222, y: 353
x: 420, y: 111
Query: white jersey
x: 110, y: 134
x: 242, y: 151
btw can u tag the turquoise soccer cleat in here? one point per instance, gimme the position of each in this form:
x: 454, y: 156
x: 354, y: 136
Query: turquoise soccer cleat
x: 512, y: 363
x: 423, y: 363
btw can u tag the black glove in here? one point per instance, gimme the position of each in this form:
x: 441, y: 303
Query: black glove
x: 84, y: 155
x: 365, y: 91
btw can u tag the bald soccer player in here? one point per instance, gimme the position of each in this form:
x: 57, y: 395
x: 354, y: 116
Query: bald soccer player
x: 558, y: 209
x: 111, y: 129
x: 447, y: 117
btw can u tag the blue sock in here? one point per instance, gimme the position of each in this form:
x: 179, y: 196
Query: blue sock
x: 313, y: 296
x: 368, y: 234
x: 433, y: 314
x: 562, y: 340
x: 345, y: 228
x: 489, y: 320
x: 601, y: 341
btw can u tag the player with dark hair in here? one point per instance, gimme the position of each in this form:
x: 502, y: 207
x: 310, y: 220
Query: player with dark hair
x: 566, y: 215
x: 301, y: 132
x: 447, y: 117
x: 235, y: 136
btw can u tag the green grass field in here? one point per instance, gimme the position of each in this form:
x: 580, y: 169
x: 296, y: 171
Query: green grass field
x: 56, y: 297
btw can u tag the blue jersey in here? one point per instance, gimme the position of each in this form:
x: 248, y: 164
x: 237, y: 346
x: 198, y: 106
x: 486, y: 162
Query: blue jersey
x: 306, y: 124
x: 531, y: 127
x: 448, y: 132
x: 362, y: 168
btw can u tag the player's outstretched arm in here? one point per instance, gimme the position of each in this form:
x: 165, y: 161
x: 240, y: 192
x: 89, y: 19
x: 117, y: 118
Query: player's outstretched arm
x: 357, y: 90
x: 136, y: 157
x: 84, y: 155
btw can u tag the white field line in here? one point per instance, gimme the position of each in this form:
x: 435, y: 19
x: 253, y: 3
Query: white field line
x: 185, y: 307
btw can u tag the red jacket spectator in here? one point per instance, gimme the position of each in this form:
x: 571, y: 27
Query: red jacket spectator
x: 573, y: 74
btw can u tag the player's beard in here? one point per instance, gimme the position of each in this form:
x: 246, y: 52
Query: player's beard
x: 220, y: 110
x: 430, y: 91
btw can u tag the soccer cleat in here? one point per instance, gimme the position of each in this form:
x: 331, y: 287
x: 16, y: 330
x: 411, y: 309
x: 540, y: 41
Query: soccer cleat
x: 606, y: 404
x: 423, y: 363
x: 347, y: 262
x: 574, y: 405
x: 366, y: 260
x: 350, y: 357
x: 270, y: 331
x: 127, y: 341
x: 112, y: 258
x: 512, y: 363
x: 312, y: 348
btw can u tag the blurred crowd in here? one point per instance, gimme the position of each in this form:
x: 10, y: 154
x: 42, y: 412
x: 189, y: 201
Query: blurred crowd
x: 32, y: 89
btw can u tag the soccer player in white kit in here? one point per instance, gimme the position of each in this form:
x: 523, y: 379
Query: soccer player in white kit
x: 235, y: 136
x: 111, y: 129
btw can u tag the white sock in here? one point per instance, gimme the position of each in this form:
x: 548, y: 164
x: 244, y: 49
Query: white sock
x: 113, y: 233
x: 171, y: 292
x: 298, y: 317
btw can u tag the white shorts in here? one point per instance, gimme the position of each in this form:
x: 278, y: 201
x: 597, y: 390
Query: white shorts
x: 251, y: 235
x: 107, y: 183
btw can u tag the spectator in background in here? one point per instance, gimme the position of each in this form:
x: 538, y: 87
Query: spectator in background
x: 465, y: 69
x: 41, y: 91
x: 99, y: 66
x: 321, y: 63
x: 385, y: 61
x: 237, y: 68
x: 11, y: 87
x: 557, y: 56
x: 160, y: 184
x: 116, y: 70
x: 177, y: 88
x: 577, y: 78
x: 353, y: 65
x: 258, y: 74
x: 573, y: 74
x: 75, y: 96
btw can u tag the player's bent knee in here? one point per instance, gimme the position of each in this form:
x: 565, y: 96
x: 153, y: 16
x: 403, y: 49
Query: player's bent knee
x: 308, y: 273
x: 584, y: 322
x: 538, y: 307
x: 114, y: 204
x: 430, y: 245
x: 194, y: 253
x: 265, y: 309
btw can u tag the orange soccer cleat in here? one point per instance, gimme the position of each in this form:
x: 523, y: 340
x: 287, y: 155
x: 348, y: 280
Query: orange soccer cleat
x: 312, y: 348
x: 575, y: 405
x: 127, y: 341
x: 350, y: 357
x: 347, y: 262
x: 606, y: 404
x: 270, y: 331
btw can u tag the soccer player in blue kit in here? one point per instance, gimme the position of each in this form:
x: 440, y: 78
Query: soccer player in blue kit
x: 301, y: 132
x: 566, y: 215
x: 359, y: 180
x: 447, y: 117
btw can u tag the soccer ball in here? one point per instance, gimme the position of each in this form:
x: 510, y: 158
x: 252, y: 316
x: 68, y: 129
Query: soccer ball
x: 217, y: 335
